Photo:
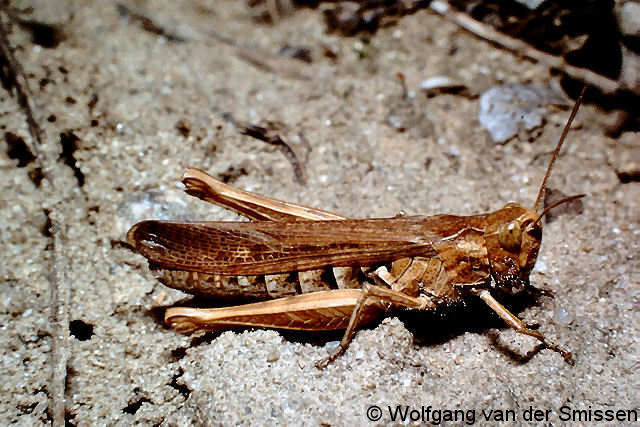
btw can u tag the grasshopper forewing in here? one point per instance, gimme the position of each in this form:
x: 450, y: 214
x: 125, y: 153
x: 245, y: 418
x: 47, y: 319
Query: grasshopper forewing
x: 315, y: 270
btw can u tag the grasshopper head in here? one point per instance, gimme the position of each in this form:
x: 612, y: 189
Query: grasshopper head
x: 513, y: 236
x: 514, y: 233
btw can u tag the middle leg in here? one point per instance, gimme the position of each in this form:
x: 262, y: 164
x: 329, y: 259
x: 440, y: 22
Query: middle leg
x: 383, y: 296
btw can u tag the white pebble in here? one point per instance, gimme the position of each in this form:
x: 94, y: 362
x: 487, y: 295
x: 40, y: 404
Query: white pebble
x: 562, y: 316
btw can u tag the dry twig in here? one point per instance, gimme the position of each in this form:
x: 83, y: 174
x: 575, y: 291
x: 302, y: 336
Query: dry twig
x: 14, y: 78
x: 270, y: 137
x: 520, y: 47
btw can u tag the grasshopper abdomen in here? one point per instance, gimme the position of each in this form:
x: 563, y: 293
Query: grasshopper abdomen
x: 259, y: 287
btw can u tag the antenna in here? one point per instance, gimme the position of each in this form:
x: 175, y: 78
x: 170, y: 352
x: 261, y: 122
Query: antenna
x: 565, y: 131
x: 553, y: 205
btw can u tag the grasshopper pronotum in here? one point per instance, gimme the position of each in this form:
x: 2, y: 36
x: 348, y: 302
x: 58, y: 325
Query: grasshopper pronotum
x: 316, y: 270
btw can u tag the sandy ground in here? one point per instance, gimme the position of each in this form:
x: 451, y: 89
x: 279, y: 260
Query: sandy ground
x: 139, y: 108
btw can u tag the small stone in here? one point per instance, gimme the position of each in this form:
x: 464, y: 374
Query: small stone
x: 531, y: 4
x: 507, y: 110
x: 629, y: 18
x: 440, y: 84
x: 273, y: 356
x: 541, y: 266
x: 395, y: 121
x: 331, y: 346
x: 166, y: 205
x: 562, y: 316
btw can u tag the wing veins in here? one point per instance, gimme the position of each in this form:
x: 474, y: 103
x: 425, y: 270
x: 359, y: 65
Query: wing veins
x: 268, y: 247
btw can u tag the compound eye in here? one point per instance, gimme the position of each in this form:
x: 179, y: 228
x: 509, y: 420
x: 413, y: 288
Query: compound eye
x: 510, y: 236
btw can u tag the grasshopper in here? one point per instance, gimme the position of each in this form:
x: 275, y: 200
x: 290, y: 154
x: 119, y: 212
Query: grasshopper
x: 315, y: 270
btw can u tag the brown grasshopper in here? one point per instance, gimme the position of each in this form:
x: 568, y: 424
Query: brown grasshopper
x: 315, y: 270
